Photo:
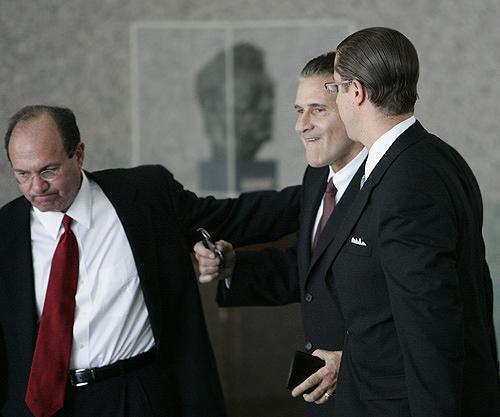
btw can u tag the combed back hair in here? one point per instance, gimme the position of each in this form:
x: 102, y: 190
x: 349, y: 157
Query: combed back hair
x: 63, y: 117
x: 386, y: 63
x: 320, y: 66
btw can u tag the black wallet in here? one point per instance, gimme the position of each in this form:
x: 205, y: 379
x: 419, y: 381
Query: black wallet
x: 303, y: 365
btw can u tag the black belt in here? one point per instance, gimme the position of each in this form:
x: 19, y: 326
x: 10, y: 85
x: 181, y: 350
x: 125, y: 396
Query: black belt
x: 82, y: 377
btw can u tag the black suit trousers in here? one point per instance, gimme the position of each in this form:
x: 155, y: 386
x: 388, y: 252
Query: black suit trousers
x: 143, y: 392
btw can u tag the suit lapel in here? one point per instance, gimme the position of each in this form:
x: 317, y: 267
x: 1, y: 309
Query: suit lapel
x: 19, y: 266
x: 335, y: 220
x: 409, y: 137
x: 314, y: 187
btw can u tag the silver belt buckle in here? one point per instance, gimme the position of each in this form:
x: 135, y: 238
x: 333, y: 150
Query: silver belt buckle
x: 81, y: 371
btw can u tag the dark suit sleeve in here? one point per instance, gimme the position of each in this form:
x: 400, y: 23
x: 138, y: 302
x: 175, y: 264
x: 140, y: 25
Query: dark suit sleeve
x: 264, y: 278
x: 254, y: 217
x: 418, y: 239
x: 176, y: 310
x: 3, y: 370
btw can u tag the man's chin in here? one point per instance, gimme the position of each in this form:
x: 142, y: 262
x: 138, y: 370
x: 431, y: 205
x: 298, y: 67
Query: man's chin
x: 44, y: 208
x: 46, y: 204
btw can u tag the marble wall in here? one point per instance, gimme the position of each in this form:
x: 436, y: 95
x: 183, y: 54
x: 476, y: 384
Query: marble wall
x: 87, y: 55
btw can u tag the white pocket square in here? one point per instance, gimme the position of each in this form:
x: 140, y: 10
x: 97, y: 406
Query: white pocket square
x: 357, y: 241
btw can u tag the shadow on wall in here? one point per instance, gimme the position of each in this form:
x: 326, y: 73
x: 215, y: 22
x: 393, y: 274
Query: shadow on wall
x: 237, y: 101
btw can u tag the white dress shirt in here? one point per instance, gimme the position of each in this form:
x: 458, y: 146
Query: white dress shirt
x: 111, y: 319
x: 383, y: 143
x: 341, y: 180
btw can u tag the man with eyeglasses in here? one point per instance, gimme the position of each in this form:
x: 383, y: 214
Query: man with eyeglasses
x: 101, y: 316
x: 277, y: 277
x: 408, y: 268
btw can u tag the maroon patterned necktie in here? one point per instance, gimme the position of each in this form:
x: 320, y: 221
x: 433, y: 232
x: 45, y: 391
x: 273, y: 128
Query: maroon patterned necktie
x: 49, y: 368
x: 328, y: 206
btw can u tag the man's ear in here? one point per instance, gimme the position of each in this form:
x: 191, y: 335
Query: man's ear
x: 360, y: 93
x: 80, y: 153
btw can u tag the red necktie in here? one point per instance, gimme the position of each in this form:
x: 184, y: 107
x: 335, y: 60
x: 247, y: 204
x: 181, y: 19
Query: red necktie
x: 49, y: 368
x: 328, y: 206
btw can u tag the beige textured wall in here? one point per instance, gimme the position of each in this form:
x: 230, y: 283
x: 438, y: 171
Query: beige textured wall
x: 77, y: 54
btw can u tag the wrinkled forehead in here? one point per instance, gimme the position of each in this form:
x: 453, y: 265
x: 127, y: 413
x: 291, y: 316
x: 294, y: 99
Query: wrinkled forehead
x: 314, y: 86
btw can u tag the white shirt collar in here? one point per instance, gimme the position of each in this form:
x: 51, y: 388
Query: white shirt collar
x: 342, y: 178
x: 79, y: 211
x: 384, y: 142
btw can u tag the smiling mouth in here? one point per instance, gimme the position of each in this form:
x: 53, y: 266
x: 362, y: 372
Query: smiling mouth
x: 309, y: 140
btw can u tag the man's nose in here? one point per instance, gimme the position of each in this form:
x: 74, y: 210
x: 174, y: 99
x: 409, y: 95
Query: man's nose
x: 303, y: 123
x: 38, y: 185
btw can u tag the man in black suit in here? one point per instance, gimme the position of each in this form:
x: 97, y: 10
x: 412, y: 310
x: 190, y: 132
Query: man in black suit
x: 277, y: 277
x: 139, y: 332
x: 408, y: 269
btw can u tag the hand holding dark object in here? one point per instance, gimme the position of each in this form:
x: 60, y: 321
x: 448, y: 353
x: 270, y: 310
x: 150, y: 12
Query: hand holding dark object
x: 214, y: 260
x: 321, y: 383
x: 209, y: 244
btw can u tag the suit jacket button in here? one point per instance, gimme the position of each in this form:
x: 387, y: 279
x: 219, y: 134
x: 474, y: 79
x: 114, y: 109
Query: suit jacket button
x: 309, y: 346
x: 308, y: 297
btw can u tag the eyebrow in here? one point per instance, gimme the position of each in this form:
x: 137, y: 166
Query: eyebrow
x: 312, y: 105
x: 53, y: 165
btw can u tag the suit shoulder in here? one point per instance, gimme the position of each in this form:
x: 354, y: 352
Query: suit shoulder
x: 13, y: 206
x: 432, y: 148
x: 11, y: 211
x: 142, y: 176
x: 434, y: 168
x: 429, y: 153
x: 134, y: 172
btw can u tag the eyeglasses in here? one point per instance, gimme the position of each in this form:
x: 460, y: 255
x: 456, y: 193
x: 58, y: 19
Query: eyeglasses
x: 48, y: 175
x: 45, y: 175
x: 333, y: 86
